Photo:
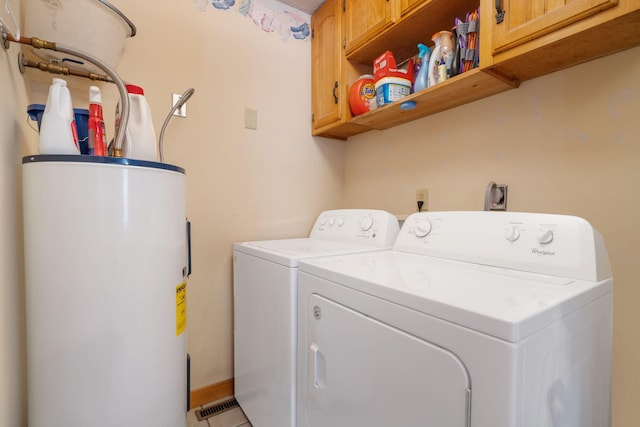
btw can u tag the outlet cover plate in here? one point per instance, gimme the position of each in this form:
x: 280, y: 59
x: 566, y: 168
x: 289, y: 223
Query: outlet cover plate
x: 422, y: 195
x: 250, y: 118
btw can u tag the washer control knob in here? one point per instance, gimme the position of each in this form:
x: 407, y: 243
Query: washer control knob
x: 422, y: 229
x: 366, y: 223
x: 546, y: 237
x: 512, y: 234
x: 332, y: 221
x: 323, y: 220
x: 340, y: 222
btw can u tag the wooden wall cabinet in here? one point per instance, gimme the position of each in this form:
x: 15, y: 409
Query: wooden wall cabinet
x: 526, y: 20
x: 331, y: 114
x: 533, y: 38
x: 335, y: 67
x: 326, y: 72
x: 542, y: 36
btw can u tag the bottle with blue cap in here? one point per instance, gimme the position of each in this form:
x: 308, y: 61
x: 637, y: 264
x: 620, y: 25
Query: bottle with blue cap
x: 422, y: 79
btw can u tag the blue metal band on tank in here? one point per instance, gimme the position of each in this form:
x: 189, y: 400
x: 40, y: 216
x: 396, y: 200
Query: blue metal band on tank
x: 101, y: 160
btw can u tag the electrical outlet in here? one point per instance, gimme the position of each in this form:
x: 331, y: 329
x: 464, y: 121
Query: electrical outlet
x: 422, y: 195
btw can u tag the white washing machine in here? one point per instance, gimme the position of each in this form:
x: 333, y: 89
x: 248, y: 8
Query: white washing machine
x: 265, y: 306
x: 474, y: 319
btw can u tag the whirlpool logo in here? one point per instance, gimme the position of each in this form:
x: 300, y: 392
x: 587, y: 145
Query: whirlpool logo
x: 542, y: 252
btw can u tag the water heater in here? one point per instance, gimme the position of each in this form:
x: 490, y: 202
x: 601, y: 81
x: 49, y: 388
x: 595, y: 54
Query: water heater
x: 106, y: 262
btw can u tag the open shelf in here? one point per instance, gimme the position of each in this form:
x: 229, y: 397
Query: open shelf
x: 459, y: 90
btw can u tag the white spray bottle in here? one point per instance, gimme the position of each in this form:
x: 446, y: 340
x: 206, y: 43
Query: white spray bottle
x: 441, y: 58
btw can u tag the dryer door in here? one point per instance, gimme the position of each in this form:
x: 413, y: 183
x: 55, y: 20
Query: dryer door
x: 362, y: 372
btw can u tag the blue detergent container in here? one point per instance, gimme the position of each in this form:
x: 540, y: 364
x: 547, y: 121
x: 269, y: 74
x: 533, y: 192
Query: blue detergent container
x: 35, y: 112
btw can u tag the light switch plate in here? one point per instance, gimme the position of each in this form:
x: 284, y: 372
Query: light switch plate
x: 250, y: 118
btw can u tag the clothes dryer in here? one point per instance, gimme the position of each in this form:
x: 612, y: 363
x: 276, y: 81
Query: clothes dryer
x: 481, y: 319
x: 265, y: 306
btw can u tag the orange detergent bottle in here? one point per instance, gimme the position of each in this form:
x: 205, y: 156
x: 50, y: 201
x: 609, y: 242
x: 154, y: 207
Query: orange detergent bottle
x: 362, y: 95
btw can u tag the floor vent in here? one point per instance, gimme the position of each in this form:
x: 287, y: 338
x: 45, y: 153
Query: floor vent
x: 227, y: 405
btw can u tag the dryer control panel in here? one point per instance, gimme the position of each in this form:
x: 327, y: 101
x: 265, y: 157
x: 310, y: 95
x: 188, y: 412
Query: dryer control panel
x: 365, y: 226
x: 557, y: 245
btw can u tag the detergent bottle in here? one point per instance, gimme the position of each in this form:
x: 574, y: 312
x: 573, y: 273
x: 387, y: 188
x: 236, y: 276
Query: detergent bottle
x: 441, y: 58
x: 140, y: 137
x: 58, y: 133
x: 422, y: 79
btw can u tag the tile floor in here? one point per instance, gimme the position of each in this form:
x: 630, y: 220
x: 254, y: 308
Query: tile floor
x: 232, y: 418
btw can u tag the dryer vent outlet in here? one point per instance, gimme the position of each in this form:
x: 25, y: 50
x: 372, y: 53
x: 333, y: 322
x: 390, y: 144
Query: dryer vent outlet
x: 498, y: 198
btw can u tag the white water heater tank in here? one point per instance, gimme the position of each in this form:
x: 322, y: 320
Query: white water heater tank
x: 106, y: 265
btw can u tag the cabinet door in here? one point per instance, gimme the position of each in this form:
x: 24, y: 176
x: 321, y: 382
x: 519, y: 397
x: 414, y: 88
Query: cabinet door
x: 407, y: 5
x: 326, y: 65
x: 363, y: 19
x: 527, y: 20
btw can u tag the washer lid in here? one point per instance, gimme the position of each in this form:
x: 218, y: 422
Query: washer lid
x: 507, y: 304
x: 289, y: 251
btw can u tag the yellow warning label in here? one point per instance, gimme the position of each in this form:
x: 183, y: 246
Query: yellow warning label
x: 181, y: 308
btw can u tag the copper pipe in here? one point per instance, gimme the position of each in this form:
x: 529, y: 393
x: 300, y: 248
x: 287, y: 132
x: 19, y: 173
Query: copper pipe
x: 32, y: 41
x: 55, y: 68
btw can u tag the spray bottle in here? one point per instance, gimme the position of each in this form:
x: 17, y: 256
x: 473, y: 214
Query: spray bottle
x: 97, y: 133
x: 422, y: 80
x: 440, y: 62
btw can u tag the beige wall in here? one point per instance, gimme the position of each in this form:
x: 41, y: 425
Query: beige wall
x: 566, y: 143
x: 12, y: 322
x: 241, y: 184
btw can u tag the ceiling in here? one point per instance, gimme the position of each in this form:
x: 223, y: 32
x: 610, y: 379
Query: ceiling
x: 307, y: 6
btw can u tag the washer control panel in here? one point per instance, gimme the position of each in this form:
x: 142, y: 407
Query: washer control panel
x: 366, y: 226
x: 541, y: 243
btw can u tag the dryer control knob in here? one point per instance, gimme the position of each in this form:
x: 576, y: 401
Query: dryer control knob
x: 546, y: 237
x: 422, y: 229
x: 340, y: 222
x: 332, y: 221
x: 512, y: 234
x: 366, y: 223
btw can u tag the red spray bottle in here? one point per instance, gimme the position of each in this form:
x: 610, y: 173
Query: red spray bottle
x: 97, y: 133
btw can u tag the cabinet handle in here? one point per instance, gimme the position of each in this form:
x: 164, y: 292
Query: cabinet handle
x: 335, y: 97
x: 499, y: 12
